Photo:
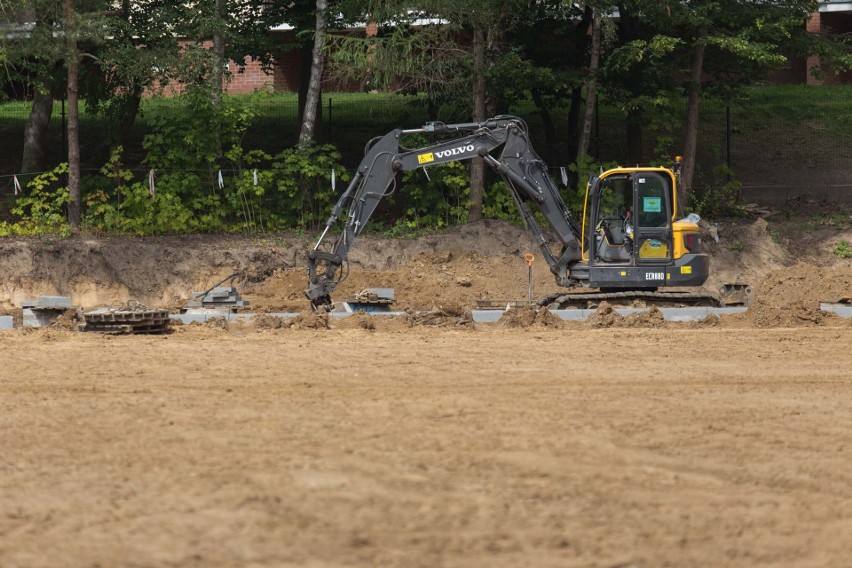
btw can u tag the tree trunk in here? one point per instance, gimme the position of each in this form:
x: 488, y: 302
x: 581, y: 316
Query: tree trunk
x: 131, y: 111
x: 72, y: 64
x: 572, y: 123
x: 690, y: 143
x: 635, y: 137
x: 477, y: 166
x: 219, y: 50
x: 312, y: 101
x: 35, y: 132
x: 306, y: 57
x: 591, y: 85
x: 549, y: 150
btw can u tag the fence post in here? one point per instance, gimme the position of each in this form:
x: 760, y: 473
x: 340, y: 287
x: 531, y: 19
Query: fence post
x: 64, y: 141
x: 728, y: 140
x: 330, y: 119
x: 597, y: 129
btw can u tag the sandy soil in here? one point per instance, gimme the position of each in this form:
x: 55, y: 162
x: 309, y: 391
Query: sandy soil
x: 417, y: 446
x: 424, y: 439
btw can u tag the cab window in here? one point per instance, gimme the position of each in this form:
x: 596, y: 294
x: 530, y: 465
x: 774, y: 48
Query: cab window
x: 616, y: 197
x: 652, y: 203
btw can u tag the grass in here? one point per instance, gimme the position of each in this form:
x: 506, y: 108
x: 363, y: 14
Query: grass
x: 781, y: 134
x: 843, y: 249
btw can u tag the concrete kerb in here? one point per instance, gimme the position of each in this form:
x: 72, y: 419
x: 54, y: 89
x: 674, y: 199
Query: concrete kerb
x: 489, y: 316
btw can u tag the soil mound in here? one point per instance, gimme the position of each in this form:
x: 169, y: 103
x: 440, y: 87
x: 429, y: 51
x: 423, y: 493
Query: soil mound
x: 803, y: 282
x: 482, y: 260
x: 650, y: 318
x: 710, y: 320
x: 310, y: 320
x: 154, y: 270
x: 69, y: 320
x: 359, y: 320
x: 265, y: 322
x: 790, y: 297
x: 606, y: 316
x: 528, y: 316
x: 219, y: 322
x: 451, y: 315
x: 795, y: 314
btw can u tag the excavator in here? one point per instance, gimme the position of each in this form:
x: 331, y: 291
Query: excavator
x: 627, y: 247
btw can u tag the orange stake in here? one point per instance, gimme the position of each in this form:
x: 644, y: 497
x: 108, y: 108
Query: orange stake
x: 530, y: 258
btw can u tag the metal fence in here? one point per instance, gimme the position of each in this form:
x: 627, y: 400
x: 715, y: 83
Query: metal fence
x: 774, y: 154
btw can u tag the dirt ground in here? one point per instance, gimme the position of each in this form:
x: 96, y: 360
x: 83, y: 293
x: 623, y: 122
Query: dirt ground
x: 422, y: 446
x: 424, y: 439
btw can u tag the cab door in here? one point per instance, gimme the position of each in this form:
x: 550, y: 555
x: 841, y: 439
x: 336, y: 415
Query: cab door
x: 652, y: 206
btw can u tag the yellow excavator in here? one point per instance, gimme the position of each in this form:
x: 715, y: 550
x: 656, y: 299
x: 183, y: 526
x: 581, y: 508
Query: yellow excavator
x: 628, y: 246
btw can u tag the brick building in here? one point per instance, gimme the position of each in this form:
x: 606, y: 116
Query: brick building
x: 286, y: 72
x: 833, y: 17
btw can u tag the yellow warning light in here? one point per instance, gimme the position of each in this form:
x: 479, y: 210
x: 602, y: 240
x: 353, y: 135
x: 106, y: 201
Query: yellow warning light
x: 678, y: 158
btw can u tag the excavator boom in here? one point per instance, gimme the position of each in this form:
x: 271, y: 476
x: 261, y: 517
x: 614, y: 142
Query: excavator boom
x: 626, y: 253
x: 502, y: 142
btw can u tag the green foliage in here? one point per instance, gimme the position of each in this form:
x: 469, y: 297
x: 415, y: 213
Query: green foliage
x: 513, y: 76
x: 41, y: 208
x: 584, y: 168
x: 498, y: 204
x: 292, y: 189
x: 118, y: 204
x: 843, y: 249
x: 433, y: 198
x: 197, y: 132
x: 720, y: 199
x: 302, y: 179
x: 259, y: 192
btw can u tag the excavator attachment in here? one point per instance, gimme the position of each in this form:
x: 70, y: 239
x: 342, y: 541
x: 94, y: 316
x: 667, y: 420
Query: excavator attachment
x: 736, y: 294
x: 320, y: 285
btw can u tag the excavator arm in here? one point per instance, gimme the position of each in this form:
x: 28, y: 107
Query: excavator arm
x: 502, y: 142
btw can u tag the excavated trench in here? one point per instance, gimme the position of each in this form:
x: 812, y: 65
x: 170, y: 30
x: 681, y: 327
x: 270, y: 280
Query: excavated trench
x: 461, y: 267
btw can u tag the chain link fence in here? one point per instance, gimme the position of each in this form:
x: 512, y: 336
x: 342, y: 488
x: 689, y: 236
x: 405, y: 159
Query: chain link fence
x: 775, y: 151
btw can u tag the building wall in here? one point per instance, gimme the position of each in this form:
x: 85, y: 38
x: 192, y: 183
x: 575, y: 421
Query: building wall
x: 835, y: 23
x: 252, y: 78
x: 282, y: 77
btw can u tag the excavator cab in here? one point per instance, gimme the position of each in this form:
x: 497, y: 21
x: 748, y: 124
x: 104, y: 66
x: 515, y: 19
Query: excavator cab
x: 632, y: 237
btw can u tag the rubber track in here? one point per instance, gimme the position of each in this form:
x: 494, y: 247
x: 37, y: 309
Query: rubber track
x: 560, y: 300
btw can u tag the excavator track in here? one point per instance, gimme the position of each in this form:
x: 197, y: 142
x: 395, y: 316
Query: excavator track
x: 561, y: 300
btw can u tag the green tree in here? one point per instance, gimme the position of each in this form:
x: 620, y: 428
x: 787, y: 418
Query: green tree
x: 312, y: 99
x: 730, y: 43
x: 33, y: 57
x: 451, y: 51
x: 671, y: 49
